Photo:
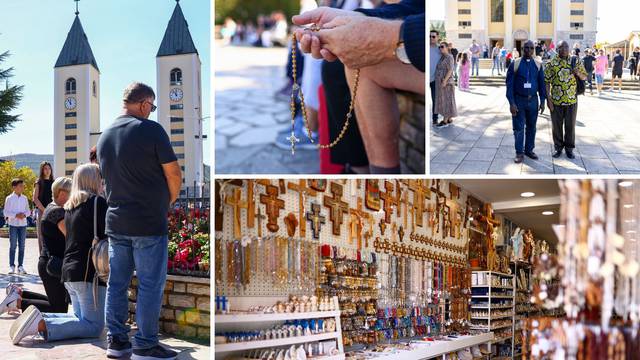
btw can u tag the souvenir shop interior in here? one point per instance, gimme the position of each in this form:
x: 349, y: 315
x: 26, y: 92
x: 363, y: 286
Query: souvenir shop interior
x: 426, y: 269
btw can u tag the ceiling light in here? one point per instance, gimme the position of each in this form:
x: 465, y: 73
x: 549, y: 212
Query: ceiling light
x: 547, y: 213
x: 625, y: 183
x: 528, y: 194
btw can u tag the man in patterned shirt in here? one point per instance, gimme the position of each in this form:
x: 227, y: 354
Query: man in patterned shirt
x: 562, y: 98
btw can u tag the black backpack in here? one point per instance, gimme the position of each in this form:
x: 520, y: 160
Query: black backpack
x: 579, y: 82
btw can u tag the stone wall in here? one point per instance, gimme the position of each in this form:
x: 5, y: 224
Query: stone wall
x: 412, y: 132
x: 185, y: 306
x: 31, y: 233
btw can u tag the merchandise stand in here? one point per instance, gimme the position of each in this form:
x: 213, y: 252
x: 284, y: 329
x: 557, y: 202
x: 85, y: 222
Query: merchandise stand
x: 522, y: 310
x: 239, y: 321
x: 439, y: 349
x: 491, y: 299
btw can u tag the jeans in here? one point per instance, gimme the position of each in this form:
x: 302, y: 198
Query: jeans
x: 590, y: 80
x: 17, y: 236
x: 496, y: 64
x: 148, y: 256
x: 87, y: 320
x: 524, y: 124
x: 475, y: 64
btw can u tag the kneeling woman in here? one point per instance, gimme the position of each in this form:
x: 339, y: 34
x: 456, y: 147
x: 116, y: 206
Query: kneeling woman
x: 87, y: 320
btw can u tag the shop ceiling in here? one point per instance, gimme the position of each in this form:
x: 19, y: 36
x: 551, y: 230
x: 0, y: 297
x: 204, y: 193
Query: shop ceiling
x: 505, y: 196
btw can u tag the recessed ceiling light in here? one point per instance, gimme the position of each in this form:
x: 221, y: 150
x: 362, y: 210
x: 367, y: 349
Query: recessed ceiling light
x: 625, y: 183
x: 528, y: 194
x: 547, y: 213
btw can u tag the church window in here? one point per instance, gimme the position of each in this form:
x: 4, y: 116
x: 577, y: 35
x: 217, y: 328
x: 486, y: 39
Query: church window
x: 544, y: 11
x: 94, y: 88
x: 70, y: 86
x: 176, y: 77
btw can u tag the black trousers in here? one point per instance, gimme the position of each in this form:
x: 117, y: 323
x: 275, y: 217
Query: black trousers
x: 56, y: 300
x: 563, y: 120
x: 434, y: 117
x: 338, y: 96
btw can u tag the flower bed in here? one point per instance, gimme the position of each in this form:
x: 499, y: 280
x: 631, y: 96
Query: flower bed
x: 189, y: 241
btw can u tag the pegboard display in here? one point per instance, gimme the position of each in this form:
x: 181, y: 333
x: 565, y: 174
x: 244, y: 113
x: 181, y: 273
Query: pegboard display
x: 235, y: 223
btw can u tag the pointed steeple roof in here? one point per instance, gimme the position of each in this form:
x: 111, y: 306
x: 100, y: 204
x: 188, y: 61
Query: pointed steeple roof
x: 76, y: 49
x: 177, y: 38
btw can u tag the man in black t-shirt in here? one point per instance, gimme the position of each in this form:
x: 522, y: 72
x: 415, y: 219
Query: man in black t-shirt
x: 588, y: 60
x: 142, y: 179
x: 616, y: 72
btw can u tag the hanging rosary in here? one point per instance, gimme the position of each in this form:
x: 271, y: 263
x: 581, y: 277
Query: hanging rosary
x: 296, y: 87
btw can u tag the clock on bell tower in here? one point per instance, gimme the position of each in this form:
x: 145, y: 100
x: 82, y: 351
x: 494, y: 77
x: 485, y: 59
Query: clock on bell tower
x: 180, y: 96
x: 76, y: 102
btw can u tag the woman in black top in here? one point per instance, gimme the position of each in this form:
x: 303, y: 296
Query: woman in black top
x: 42, y: 195
x: 53, y: 234
x: 87, y: 320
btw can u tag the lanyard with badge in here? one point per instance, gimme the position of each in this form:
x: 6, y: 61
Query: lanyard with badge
x: 527, y: 85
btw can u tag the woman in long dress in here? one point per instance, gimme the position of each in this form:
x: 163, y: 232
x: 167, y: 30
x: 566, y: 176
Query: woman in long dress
x: 464, y: 72
x: 446, y: 93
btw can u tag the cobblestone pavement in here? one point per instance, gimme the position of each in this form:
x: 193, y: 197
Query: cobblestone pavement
x: 72, y: 349
x: 248, y: 115
x: 481, y: 138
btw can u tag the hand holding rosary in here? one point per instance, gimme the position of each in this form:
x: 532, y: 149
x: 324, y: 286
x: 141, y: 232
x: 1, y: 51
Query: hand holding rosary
x: 296, y: 87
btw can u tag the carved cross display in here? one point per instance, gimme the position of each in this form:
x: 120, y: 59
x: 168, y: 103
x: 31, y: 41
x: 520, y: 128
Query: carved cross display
x: 362, y: 216
x: 355, y: 230
x: 369, y: 233
x: 405, y: 201
x: 399, y: 194
x: 337, y: 207
x: 251, y: 205
x: 236, y: 202
x: 419, y: 194
x: 302, y: 190
x: 316, y: 219
x: 389, y: 201
x: 260, y: 217
x: 454, y: 222
x: 383, y: 226
x: 273, y: 206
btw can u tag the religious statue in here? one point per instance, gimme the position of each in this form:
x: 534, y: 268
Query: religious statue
x: 527, y: 251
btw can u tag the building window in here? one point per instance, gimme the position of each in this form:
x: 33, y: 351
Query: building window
x: 177, y: 131
x: 176, y: 119
x: 70, y: 86
x: 70, y: 126
x: 71, y: 149
x: 176, y: 77
x: 544, y: 11
x: 522, y: 7
x: 177, y: 143
x: 497, y: 11
x: 576, y: 37
x: 577, y: 25
x: 71, y: 161
x: 176, y: 107
x: 464, y: 36
x: 70, y: 114
x: 577, y: 12
x: 464, y: 11
x: 464, y: 23
x: 94, y: 89
x: 71, y: 137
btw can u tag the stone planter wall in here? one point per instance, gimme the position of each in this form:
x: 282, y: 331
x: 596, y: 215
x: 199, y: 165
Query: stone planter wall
x: 412, y: 132
x: 185, y: 306
x: 31, y: 233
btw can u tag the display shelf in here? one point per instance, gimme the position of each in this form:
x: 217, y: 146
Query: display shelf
x: 492, y: 287
x: 492, y: 307
x: 433, y: 349
x: 493, y: 327
x: 499, y: 340
x: 249, y: 345
x: 494, y: 273
x: 491, y: 317
x: 492, y: 296
x: 253, y: 318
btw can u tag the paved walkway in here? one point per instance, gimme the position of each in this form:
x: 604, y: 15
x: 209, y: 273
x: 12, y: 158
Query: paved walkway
x: 248, y: 115
x: 481, y: 138
x: 74, y: 349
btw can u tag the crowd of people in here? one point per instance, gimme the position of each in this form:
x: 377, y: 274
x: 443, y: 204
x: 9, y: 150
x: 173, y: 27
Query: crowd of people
x: 267, y: 31
x: 118, y: 202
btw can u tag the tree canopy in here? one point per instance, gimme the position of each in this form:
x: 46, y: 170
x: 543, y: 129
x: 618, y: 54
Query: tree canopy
x: 10, y: 97
x: 8, y: 172
x: 248, y: 10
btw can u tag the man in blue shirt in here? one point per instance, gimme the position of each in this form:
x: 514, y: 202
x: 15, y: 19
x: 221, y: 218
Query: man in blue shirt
x: 525, y: 80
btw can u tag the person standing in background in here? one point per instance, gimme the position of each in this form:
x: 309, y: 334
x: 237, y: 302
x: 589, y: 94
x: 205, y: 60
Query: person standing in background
x: 455, y: 53
x: 475, y: 57
x: 463, y: 84
x: 617, y: 70
x: 42, y: 196
x: 495, y: 56
x: 16, y: 210
x: 602, y: 63
x: 588, y: 61
x: 446, y: 99
x: 434, y: 57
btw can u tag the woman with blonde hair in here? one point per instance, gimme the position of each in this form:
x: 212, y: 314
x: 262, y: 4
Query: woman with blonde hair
x: 87, y: 320
x: 50, y: 261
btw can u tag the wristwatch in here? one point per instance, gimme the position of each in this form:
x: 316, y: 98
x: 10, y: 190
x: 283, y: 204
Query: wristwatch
x: 400, y: 51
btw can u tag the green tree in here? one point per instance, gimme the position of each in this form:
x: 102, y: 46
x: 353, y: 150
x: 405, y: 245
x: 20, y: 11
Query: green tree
x: 9, y: 97
x: 8, y: 172
x: 248, y: 10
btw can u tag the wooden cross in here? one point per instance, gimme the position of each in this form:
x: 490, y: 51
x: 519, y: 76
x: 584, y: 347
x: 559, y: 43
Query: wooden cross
x: 389, y: 201
x: 251, y: 205
x: 383, y: 226
x: 337, y: 207
x: 453, y: 208
x: 355, y: 230
x: 273, y: 206
x: 236, y: 202
x: 398, y: 198
x: 361, y: 215
x: 316, y: 220
x: 401, y: 232
x: 302, y: 190
x: 418, y: 188
x: 405, y: 201
x: 394, y: 228
x: 260, y: 218
x: 369, y: 233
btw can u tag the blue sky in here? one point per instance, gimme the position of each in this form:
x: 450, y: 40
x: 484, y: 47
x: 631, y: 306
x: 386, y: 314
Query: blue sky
x: 124, y: 35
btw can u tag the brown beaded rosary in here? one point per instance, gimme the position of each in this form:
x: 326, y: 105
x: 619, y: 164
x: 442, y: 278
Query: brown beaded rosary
x: 296, y: 87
